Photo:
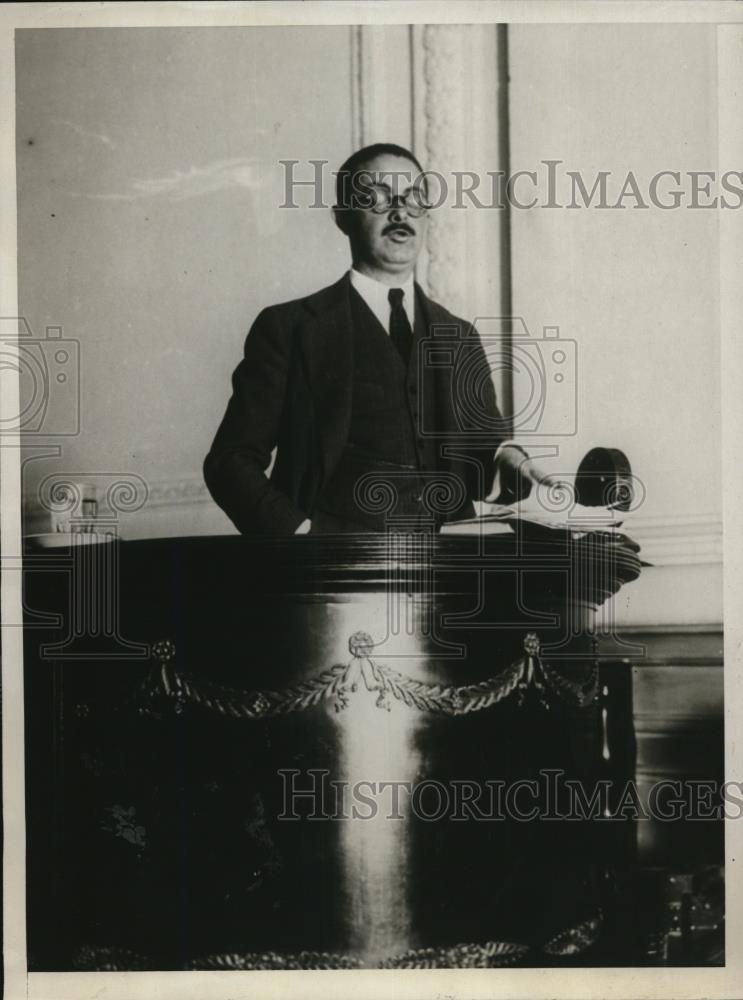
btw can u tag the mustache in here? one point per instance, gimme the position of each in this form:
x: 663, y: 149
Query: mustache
x: 398, y: 225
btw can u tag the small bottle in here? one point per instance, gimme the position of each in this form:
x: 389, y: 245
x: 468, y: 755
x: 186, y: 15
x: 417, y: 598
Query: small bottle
x: 84, y: 512
x: 89, y: 507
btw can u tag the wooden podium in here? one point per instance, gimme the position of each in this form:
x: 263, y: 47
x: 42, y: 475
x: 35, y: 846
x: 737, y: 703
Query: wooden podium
x: 299, y: 753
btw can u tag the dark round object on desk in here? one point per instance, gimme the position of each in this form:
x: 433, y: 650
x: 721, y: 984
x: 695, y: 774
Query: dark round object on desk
x: 604, y: 479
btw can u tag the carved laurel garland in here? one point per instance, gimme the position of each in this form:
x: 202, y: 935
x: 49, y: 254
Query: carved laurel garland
x: 336, y: 684
x: 576, y: 939
x: 476, y: 955
x: 491, y: 954
x: 250, y: 961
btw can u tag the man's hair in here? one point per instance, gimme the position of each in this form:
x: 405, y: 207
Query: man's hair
x: 344, y: 181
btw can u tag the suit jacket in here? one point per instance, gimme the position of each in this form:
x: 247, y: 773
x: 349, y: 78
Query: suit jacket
x: 293, y: 391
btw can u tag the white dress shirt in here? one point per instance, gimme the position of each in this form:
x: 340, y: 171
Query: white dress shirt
x: 376, y: 296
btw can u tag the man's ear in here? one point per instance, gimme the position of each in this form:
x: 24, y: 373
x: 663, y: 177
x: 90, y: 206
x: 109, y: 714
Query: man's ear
x: 342, y: 218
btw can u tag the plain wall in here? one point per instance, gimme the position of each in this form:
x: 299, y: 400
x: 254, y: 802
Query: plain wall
x: 636, y: 289
x: 149, y: 229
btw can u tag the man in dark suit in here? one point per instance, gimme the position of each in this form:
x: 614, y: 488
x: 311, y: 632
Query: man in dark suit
x: 377, y: 400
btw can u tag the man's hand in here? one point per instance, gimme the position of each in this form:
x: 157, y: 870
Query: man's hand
x: 516, y: 473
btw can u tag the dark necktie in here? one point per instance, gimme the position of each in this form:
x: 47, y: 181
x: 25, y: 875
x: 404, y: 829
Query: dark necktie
x: 400, y: 332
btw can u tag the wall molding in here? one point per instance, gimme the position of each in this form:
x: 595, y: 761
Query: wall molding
x: 358, y: 123
x: 457, y: 78
x: 443, y: 80
x: 678, y: 539
x: 176, y: 492
x: 380, y: 84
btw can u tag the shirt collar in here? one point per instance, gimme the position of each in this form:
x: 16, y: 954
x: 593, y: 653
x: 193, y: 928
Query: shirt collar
x: 376, y: 296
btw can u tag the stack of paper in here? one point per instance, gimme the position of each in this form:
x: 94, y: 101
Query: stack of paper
x: 495, y: 518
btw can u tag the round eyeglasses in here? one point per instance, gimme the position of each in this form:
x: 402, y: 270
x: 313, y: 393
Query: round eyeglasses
x: 379, y: 199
